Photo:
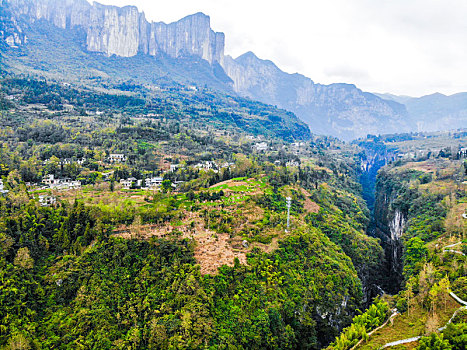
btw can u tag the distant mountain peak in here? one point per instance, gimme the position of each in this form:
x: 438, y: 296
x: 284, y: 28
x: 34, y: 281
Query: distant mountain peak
x: 249, y: 55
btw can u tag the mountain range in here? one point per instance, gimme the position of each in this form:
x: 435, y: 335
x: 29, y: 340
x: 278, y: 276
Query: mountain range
x: 73, y: 39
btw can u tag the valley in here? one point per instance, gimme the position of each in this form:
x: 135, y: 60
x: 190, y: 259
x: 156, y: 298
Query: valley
x: 156, y: 193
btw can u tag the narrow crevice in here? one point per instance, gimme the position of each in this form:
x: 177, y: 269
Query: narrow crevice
x: 385, y: 225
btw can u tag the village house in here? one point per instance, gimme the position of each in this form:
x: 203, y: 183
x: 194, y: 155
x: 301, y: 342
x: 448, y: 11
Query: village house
x: 260, y: 146
x: 117, y: 158
x: 154, y: 182
x: 226, y: 165
x: 128, y: 183
x: 207, y: 165
x: 46, y: 200
x: 292, y: 163
x: 463, y: 152
x: 60, y: 184
x: 174, y: 167
x: 106, y: 176
x: 176, y: 184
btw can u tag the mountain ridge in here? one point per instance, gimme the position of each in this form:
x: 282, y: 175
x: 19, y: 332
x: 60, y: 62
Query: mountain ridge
x: 124, y: 31
x: 339, y: 109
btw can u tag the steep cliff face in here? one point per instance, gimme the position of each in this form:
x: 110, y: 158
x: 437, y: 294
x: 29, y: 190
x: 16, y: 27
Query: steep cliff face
x: 390, y: 222
x: 341, y: 110
x: 125, y: 32
x: 11, y: 33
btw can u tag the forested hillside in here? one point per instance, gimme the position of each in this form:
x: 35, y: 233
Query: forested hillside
x: 135, y: 223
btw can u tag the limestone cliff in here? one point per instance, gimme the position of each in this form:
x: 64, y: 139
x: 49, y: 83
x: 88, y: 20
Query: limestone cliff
x: 390, y: 221
x: 124, y: 31
x: 341, y: 110
x: 11, y: 33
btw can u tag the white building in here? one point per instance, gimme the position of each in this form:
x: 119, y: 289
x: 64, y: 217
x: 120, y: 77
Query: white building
x: 106, y: 176
x: 154, y: 182
x: 2, y: 188
x: 260, y: 146
x: 49, y: 179
x: 292, y: 163
x: 227, y: 165
x: 174, y: 167
x: 127, y: 183
x: 117, y: 158
x: 207, y: 165
x: 61, y: 184
x: 46, y: 200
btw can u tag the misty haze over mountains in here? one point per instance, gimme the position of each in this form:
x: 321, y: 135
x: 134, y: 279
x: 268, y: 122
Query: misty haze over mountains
x: 81, y: 37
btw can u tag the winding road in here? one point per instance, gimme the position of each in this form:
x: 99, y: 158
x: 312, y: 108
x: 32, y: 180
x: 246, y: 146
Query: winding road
x: 410, y: 340
x: 452, y: 250
x: 454, y: 296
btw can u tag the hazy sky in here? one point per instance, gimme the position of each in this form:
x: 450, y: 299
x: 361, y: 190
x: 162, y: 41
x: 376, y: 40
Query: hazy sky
x: 412, y: 47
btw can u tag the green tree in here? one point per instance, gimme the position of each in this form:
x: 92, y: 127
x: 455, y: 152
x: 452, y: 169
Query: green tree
x: 434, y: 342
x: 166, y: 185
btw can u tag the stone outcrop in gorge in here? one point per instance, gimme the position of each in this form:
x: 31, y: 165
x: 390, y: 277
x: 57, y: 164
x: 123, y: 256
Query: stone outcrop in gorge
x: 375, y: 155
x: 123, y: 31
x: 390, y: 219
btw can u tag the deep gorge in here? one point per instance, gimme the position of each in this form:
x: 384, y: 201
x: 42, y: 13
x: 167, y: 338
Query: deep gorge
x: 387, y: 222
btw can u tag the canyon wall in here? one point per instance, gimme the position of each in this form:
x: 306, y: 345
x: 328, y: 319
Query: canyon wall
x: 390, y: 220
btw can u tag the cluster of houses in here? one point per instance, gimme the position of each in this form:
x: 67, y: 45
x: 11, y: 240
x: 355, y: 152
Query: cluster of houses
x: 260, y: 146
x: 60, y: 184
x: 117, y: 158
x: 46, y: 200
x: 152, y: 183
x: 462, y: 153
x: 295, y: 147
x: 67, y: 161
x: 292, y: 163
x: 210, y: 165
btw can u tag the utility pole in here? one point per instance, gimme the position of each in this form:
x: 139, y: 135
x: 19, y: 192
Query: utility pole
x: 289, y: 203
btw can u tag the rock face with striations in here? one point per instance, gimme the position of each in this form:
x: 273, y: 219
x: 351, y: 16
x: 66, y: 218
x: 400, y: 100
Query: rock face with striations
x: 123, y: 31
x: 341, y: 110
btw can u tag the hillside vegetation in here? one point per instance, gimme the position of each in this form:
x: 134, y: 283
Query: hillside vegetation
x: 203, y: 260
x: 429, y: 312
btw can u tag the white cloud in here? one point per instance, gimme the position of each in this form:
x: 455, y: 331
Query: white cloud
x: 410, y: 47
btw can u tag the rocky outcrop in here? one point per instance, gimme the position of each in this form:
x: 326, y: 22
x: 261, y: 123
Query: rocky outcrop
x: 389, y: 224
x: 11, y: 33
x: 123, y: 31
x: 341, y: 110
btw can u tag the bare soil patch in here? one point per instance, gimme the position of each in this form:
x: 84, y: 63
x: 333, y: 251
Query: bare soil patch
x: 212, y: 250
